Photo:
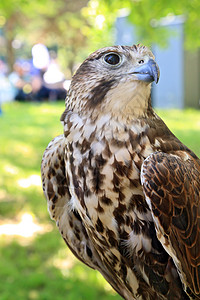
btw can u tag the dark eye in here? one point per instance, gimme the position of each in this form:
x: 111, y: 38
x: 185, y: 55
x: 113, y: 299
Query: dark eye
x: 141, y: 61
x: 112, y: 59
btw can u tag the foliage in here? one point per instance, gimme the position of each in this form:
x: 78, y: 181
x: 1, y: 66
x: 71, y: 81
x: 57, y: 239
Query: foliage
x: 81, y: 26
x: 146, y: 15
x: 42, y: 267
x: 54, y: 23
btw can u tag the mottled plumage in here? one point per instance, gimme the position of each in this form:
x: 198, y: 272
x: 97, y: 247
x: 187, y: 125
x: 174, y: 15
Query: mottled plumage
x: 123, y: 190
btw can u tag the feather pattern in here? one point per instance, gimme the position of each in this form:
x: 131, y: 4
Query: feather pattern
x: 123, y: 190
x: 171, y: 185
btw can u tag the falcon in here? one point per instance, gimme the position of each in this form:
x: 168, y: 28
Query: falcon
x: 123, y: 190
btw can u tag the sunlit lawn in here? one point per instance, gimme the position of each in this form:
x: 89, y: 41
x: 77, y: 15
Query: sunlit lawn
x: 41, y: 266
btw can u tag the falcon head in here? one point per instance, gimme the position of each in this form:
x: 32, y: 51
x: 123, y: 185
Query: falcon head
x: 114, y: 80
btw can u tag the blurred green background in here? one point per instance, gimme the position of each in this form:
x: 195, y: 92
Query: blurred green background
x: 34, y: 260
x: 75, y: 28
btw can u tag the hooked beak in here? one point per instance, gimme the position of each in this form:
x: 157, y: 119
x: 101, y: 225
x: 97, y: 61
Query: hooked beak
x: 148, y: 72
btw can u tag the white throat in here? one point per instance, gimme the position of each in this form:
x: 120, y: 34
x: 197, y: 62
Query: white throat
x: 129, y: 99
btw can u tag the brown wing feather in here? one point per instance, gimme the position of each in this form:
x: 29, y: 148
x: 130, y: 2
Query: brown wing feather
x: 171, y: 185
x: 55, y: 186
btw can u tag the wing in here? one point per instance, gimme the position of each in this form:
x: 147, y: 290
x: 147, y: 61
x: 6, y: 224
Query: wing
x: 55, y: 187
x: 171, y: 186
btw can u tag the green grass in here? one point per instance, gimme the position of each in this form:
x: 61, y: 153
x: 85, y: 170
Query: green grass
x: 185, y: 124
x: 42, y: 267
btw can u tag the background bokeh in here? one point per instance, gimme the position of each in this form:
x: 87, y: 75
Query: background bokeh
x: 42, y: 42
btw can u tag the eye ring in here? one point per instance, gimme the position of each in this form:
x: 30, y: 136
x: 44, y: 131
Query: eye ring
x: 112, y: 59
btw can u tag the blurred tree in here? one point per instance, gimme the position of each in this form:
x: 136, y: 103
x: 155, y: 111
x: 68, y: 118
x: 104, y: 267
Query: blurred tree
x: 146, y: 14
x: 60, y: 24
x: 79, y: 26
x: 47, y: 21
x: 12, y: 16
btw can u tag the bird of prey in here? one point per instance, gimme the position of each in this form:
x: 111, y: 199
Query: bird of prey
x: 123, y: 190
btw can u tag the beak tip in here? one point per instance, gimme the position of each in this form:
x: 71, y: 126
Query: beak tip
x: 156, y: 74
